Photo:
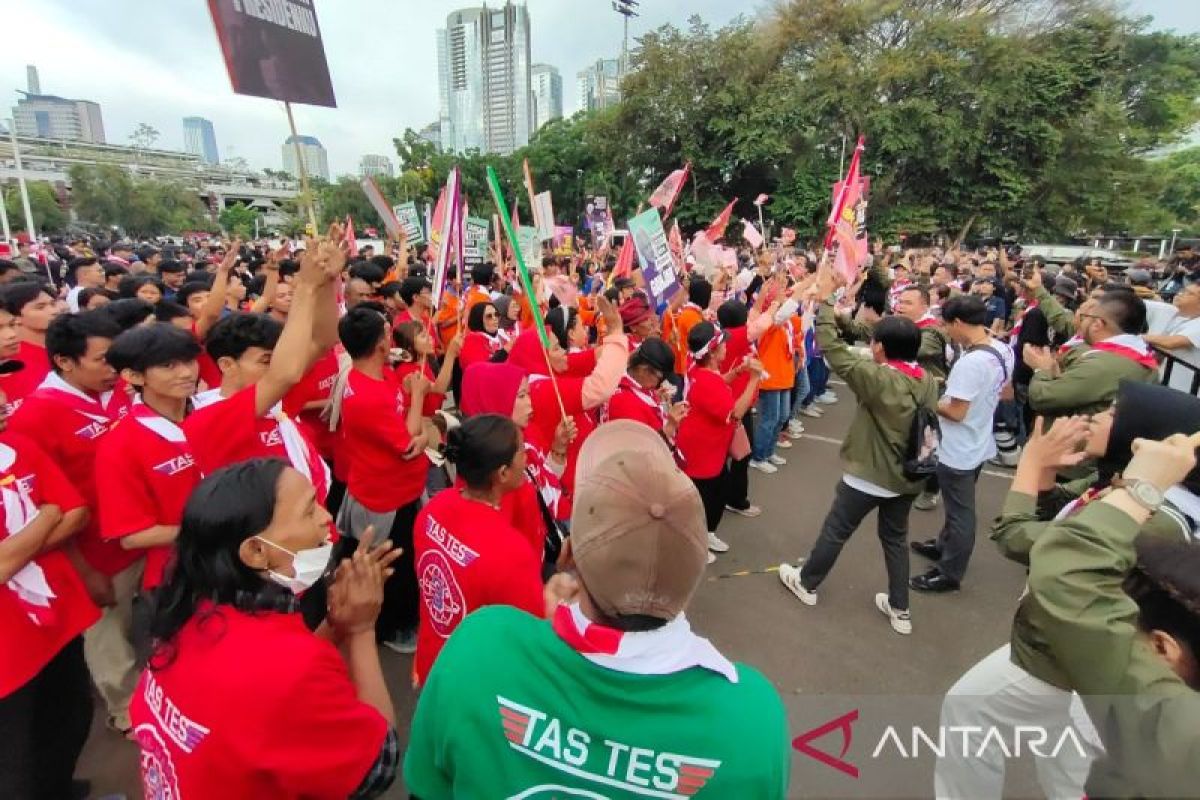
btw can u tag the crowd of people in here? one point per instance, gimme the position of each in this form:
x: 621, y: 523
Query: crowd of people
x: 231, y: 471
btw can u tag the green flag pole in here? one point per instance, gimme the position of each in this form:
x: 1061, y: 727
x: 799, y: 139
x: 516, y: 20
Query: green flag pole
x: 526, y: 279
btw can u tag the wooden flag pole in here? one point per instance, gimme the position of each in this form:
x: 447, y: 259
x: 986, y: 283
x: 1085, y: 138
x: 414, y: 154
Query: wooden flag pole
x: 308, y: 198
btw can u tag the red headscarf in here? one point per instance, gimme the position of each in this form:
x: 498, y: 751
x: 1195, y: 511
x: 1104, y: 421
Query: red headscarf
x: 489, y: 388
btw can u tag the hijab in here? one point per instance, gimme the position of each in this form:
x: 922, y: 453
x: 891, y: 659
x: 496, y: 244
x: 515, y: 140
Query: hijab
x: 1149, y: 411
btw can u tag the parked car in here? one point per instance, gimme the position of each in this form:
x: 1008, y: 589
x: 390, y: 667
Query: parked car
x: 1067, y: 253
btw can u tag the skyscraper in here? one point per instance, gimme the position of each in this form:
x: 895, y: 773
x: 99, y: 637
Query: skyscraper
x: 484, y: 79
x: 53, y: 117
x: 316, y: 162
x: 600, y: 84
x: 370, y: 166
x: 547, y: 94
x: 200, y: 139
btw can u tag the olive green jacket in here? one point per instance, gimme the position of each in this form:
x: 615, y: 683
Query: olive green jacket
x: 1060, y: 320
x: 1021, y: 523
x: 931, y: 356
x: 1086, y: 385
x: 877, y: 441
x: 1148, y: 718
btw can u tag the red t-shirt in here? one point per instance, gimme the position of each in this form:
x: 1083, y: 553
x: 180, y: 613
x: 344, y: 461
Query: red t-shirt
x: 210, y: 373
x: 224, y: 432
x: 316, y: 384
x: 70, y: 429
x: 547, y: 415
x: 253, y: 705
x: 737, y: 347
x: 433, y: 400
x: 631, y: 401
x: 375, y: 437
x: 29, y: 643
x: 467, y: 556
x: 477, y: 348
x: 706, y: 432
x: 145, y: 472
x: 19, y: 385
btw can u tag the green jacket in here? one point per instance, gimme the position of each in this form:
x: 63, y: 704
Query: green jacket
x: 931, y: 356
x: 1086, y: 385
x: 1060, y: 320
x: 1148, y: 718
x: 878, y: 438
x: 1021, y: 523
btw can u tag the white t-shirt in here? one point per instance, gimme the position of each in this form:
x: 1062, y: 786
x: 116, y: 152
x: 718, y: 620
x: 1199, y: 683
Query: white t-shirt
x: 977, y: 378
x: 1181, y: 377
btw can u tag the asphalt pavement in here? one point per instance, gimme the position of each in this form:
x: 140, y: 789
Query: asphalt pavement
x: 839, y: 656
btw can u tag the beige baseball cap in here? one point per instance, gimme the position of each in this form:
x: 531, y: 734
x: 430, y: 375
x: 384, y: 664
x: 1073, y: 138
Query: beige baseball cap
x: 638, y: 534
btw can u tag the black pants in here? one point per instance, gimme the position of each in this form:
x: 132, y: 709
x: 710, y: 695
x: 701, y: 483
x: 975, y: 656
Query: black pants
x: 957, y: 539
x: 738, y: 488
x: 850, y: 507
x: 43, y: 726
x: 712, y: 494
x: 401, y: 595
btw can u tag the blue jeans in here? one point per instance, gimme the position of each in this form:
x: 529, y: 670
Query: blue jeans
x: 818, y: 376
x: 800, y: 391
x: 773, y: 407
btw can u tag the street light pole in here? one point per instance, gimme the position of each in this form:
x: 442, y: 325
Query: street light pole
x: 1174, y: 233
x: 625, y: 9
x: 12, y: 132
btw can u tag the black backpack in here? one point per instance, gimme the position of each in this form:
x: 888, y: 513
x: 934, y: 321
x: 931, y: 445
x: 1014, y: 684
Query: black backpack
x: 924, y: 442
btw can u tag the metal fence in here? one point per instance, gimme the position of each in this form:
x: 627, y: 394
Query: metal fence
x: 1170, y: 363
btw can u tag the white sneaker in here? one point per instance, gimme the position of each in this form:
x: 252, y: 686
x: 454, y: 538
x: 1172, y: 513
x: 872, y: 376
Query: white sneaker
x: 827, y: 399
x: 794, y: 431
x: 404, y: 643
x: 789, y: 576
x: 901, y: 620
x: 812, y: 411
x: 764, y: 466
x: 748, y: 511
x: 926, y: 501
x: 777, y: 459
x: 711, y: 557
x: 716, y: 545
x: 785, y: 443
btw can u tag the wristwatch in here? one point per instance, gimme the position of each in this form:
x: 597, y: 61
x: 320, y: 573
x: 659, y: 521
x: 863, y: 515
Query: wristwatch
x: 1145, y: 494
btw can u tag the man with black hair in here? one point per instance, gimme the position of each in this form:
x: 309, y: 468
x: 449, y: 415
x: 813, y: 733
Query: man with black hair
x: 482, y: 276
x: 280, y: 305
x: 34, y: 308
x: 392, y: 300
x: 358, y: 291
x: 890, y: 386
x: 174, y: 275
x: 113, y: 273
x: 9, y: 271
x: 699, y: 293
x: 966, y: 410
x: 121, y: 254
x: 86, y: 273
x: 68, y: 415
x: 417, y: 294
x: 149, y: 257
x: 145, y: 468
x: 384, y: 448
x: 259, y: 361
x: 1088, y: 384
x: 369, y: 274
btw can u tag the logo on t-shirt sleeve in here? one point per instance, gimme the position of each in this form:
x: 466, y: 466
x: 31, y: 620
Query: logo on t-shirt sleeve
x: 597, y: 760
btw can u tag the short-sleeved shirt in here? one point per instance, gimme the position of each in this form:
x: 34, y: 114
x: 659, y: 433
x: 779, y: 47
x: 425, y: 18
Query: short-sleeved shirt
x: 375, y: 437
x: 467, y: 556
x: 317, y: 384
x: 1188, y: 327
x: 34, y: 626
x: 707, y: 431
x: 145, y: 472
x: 252, y: 705
x: 977, y: 377
x: 19, y: 385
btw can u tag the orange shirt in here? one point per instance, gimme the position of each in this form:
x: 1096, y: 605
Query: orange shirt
x: 476, y: 296
x: 684, y: 321
x: 447, y: 318
x: 775, y: 353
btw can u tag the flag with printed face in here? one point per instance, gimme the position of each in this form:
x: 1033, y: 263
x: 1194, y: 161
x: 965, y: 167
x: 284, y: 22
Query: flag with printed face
x: 667, y: 193
x: 847, y: 220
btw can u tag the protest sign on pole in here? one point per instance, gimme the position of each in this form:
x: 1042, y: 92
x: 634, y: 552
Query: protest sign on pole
x: 564, y: 240
x: 531, y: 247
x: 274, y: 50
x: 380, y: 204
x: 543, y: 215
x: 445, y: 240
x: 654, y: 253
x: 475, y: 240
x: 410, y: 220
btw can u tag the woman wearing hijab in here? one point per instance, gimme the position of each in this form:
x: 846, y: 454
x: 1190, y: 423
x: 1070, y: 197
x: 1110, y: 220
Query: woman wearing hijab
x: 1022, y: 683
x: 510, y: 319
x: 240, y: 698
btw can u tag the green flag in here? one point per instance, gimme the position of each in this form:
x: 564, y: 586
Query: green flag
x: 522, y: 269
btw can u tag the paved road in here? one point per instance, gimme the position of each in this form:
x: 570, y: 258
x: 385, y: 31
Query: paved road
x: 839, y: 654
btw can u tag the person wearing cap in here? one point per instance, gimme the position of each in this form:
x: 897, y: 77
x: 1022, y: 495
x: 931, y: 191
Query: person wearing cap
x: 638, y: 321
x: 707, y: 436
x: 890, y: 386
x: 616, y: 694
x: 639, y: 395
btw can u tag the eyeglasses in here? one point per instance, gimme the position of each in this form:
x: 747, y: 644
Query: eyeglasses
x: 491, y: 315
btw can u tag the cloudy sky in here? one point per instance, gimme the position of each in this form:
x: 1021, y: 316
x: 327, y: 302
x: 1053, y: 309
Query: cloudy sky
x: 157, y: 62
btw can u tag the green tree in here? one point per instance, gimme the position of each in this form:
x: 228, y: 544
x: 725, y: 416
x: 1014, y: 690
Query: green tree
x: 48, y: 216
x: 144, y: 136
x: 108, y: 195
x: 239, y: 220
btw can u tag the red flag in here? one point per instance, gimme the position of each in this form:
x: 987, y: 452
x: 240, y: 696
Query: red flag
x: 348, y: 237
x: 667, y: 193
x: 851, y: 179
x: 717, y: 229
x: 624, y: 267
x: 762, y: 198
x: 675, y: 241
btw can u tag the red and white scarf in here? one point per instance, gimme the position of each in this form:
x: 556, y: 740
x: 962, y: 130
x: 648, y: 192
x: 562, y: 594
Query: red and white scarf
x: 1015, y: 333
x: 544, y: 480
x: 1074, y: 341
x: 29, y: 584
x: 928, y: 320
x: 629, y: 385
x: 664, y: 651
x: 1128, y: 346
x: 910, y: 368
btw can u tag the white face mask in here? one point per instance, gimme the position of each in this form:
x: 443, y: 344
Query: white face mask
x: 309, y: 565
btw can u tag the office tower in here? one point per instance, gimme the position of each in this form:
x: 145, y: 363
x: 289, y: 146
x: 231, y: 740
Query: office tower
x: 53, y: 117
x: 547, y: 94
x: 432, y: 133
x: 370, y: 166
x: 484, y: 79
x: 600, y: 84
x: 316, y: 161
x: 200, y: 139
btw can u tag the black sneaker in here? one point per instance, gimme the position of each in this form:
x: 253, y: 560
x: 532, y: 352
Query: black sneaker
x: 928, y: 548
x: 934, y: 582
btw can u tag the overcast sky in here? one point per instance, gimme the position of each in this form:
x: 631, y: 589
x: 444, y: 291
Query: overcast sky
x: 157, y: 62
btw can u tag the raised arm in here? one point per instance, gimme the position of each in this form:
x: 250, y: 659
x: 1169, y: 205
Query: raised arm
x: 211, y: 312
